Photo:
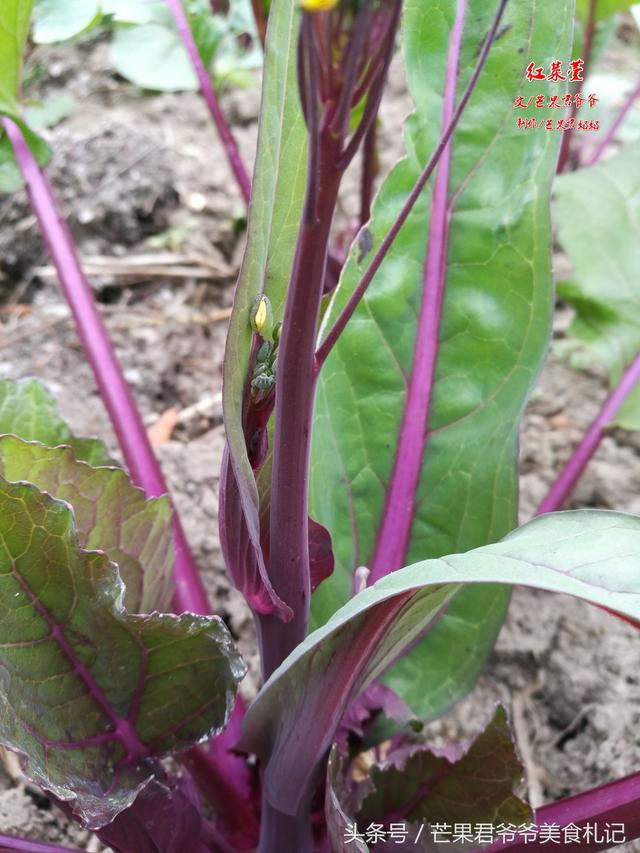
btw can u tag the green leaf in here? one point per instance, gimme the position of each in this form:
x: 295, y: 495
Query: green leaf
x: 208, y: 29
x: 111, y: 515
x: 493, y: 335
x: 474, y: 788
x: 604, y: 8
x: 15, y: 16
x: 29, y: 411
x: 59, y: 20
x: 153, y: 56
x: 10, y: 177
x: 276, y: 204
x: 137, y: 11
x: 593, y: 555
x: 91, y: 695
x: 51, y: 112
x: 602, y: 241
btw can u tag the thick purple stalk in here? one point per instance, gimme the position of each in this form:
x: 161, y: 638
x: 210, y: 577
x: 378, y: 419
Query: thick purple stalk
x: 361, y: 288
x: 615, y: 803
x: 394, y: 532
x: 289, y: 535
x: 9, y: 843
x: 208, y: 93
x: 116, y: 395
x: 573, y: 470
x: 608, y: 137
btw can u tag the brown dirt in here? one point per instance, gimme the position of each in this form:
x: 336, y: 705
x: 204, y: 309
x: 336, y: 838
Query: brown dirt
x: 147, y: 164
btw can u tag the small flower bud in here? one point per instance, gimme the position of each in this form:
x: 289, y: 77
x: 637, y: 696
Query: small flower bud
x: 318, y: 5
x: 262, y: 317
x: 265, y: 351
x: 264, y: 382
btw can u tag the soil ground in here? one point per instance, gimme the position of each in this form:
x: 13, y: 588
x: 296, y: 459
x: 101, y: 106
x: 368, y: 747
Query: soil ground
x: 144, y: 174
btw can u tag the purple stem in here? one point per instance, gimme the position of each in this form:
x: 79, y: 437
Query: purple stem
x: 565, y: 159
x: 395, y: 529
x: 125, y: 418
x: 360, y: 289
x: 615, y: 803
x: 573, y: 470
x: 608, y: 137
x: 289, y: 536
x: 208, y: 93
x: 8, y: 842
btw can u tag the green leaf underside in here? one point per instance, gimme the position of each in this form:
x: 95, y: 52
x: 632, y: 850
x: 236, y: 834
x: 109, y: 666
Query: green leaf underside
x: 28, y: 410
x: 593, y: 555
x: 475, y: 789
x: 494, y: 331
x: 276, y: 204
x: 602, y: 241
x: 80, y: 678
x: 111, y: 515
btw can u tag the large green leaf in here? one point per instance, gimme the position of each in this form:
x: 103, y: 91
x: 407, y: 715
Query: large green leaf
x: 495, y: 326
x: 90, y: 694
x: 274, y: 216
x: 602, y: 241
x: 111, y: 515
x: 28, y: 410
x: 587, y: 554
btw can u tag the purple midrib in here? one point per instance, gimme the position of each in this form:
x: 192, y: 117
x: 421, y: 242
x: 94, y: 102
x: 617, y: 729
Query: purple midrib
x: 395, y: 529
x: 123, y: 730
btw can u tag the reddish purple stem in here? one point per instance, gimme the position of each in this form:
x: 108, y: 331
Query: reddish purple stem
x: 132, y: 436
x: 395, y: 529
x: 208, y: 93
x: 563, y: 486
x: 608, y: 137
x: 615, y: 803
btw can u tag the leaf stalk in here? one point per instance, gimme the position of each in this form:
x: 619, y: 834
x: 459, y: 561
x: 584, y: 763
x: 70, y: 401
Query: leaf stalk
x: 208, y: 93
x: 573, y: 470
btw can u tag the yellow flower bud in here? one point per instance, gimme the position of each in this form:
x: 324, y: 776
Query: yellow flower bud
x: 262, y: 317
x: 318, y: 5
